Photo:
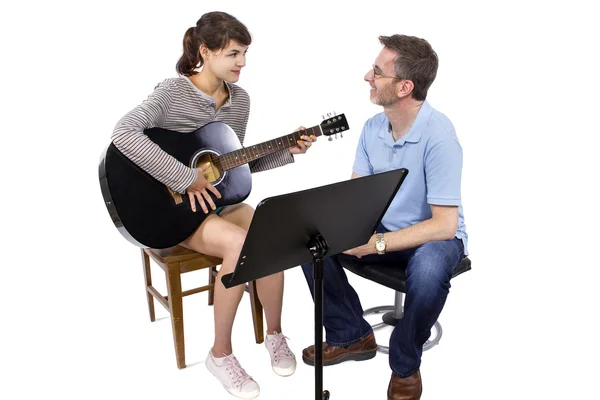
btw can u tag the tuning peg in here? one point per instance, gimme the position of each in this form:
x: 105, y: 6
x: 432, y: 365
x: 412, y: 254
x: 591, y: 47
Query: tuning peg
x: 341, y: 135
x: 328, y: 115
x: 334, y: 113
x: 322, y: 117
x: 336, y: 135
x: 330, y: 139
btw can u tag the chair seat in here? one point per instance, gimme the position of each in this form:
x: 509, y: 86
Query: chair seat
x: 390, y: 275
x: 188, y: 260
x: 180, y: 253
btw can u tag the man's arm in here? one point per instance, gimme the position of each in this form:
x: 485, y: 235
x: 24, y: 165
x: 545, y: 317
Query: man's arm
x: 441, y: 226
x: 444, y: 164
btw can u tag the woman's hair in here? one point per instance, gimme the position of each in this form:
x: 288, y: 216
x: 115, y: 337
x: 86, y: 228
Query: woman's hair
x: 214, y: 30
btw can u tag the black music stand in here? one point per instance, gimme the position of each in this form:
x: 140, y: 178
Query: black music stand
x: 301, y: 227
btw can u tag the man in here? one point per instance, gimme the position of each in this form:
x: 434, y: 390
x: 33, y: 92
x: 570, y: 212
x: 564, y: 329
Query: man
x: 423, y: 226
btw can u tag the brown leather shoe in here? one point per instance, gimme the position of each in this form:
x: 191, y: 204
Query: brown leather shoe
x: 360, y: 351
x: 405, y: 388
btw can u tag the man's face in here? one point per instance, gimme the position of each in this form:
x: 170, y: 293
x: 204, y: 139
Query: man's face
x: 382, y: 79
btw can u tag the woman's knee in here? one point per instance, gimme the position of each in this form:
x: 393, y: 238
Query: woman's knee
x: 235, y: 242
x: 240, y: 214
x: 233, y: 248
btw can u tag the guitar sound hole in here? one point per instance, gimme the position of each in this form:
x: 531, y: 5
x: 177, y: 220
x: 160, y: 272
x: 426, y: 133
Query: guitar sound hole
x: 213, y: 173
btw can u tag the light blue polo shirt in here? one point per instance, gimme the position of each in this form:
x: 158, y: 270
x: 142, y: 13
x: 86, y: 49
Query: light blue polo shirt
x: 433, y: 156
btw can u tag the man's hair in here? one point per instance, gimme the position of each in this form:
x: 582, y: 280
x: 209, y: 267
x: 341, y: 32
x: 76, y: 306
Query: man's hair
x: 416, y: 61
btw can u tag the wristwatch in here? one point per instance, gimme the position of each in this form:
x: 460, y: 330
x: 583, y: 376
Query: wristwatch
x: 380, y: 243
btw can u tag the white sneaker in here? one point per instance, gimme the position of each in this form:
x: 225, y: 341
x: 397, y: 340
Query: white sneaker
x: 283, y: 360
x: 232, y: 376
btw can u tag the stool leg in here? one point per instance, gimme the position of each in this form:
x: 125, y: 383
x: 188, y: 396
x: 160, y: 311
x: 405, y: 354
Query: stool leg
x: 148, y: 279
x: 391, y: 318
x: 257, y: 312
x: 176, y: 307
x: 433, y: 340
x: 212, y: 272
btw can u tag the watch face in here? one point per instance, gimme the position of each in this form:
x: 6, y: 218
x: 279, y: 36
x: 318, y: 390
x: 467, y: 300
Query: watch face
x: 380, y: 246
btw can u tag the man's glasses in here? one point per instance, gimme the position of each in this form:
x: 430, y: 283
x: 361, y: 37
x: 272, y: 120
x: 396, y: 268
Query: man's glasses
x: 378, y: 74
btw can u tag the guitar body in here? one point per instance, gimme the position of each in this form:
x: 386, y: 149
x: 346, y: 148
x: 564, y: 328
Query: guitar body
x: 149, y: 214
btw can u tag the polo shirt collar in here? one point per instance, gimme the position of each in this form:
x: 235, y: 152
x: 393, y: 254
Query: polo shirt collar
x: 415, y: 132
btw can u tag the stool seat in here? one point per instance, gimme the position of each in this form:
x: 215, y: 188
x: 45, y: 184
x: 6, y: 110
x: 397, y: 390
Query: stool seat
x: 179, y: 253
x: 390, y: 275
x: 393, y: 275
x: 188, y: 259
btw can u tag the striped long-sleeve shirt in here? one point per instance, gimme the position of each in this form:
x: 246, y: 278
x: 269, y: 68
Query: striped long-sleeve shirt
x: 177, y: 105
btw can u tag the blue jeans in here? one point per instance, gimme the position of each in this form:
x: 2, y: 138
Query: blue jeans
x: 428, y: 272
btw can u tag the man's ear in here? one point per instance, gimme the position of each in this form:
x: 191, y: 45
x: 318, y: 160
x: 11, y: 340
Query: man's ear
x: 404, y: 88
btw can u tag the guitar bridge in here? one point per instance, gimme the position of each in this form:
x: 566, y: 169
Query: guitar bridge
x: 176, y: 196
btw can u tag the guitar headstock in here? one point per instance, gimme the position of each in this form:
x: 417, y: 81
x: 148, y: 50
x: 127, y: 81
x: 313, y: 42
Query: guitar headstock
x: 334, y: 125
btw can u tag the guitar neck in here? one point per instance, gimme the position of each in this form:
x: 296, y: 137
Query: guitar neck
x: 254, y: 152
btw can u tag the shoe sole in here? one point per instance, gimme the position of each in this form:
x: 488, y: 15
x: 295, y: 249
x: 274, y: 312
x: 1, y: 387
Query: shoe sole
x: 235, y: 394
x: 284, y: 372
x: 367, y: 355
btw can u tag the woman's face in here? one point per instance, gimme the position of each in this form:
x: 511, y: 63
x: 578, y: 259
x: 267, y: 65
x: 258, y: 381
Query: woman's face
x: 227, y: 63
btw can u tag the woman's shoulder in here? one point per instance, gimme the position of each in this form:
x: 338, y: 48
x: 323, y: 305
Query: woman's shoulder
x: 173, y: 83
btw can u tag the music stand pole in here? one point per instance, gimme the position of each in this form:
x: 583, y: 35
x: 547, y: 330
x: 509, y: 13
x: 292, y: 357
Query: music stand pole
x: 318, y: 248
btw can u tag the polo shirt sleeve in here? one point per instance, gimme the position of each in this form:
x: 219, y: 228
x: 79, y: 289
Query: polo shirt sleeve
x: 362, y: 166
x: 443, y: 168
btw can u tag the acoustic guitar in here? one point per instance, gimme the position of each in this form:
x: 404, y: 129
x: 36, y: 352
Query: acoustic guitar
x: 149, y: 214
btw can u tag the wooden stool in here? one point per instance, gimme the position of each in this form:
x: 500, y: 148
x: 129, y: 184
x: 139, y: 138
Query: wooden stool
x: 176, y: 261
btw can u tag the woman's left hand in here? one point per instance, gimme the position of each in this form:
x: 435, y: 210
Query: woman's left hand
x: 304, y: 144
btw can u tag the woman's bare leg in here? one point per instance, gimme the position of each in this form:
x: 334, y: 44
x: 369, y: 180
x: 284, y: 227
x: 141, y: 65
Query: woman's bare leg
x: 221, y: 238
x: 270, y: 288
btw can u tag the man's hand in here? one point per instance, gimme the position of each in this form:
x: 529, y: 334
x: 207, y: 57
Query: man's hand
x: 365, y: 249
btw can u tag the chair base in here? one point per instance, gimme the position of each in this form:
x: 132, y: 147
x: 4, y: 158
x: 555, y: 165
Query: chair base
x: 174, y: 262
x: 393, y: 315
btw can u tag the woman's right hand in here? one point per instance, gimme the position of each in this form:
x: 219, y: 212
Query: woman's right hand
x: 198, y: 190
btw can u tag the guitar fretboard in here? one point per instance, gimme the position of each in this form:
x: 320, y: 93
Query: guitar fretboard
x: 254, y: 152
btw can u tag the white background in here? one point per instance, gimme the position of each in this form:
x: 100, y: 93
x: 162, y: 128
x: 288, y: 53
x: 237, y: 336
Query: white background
x: 519, y: 80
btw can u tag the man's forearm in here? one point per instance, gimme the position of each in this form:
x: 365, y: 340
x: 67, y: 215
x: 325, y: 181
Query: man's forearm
x: 426, y: 231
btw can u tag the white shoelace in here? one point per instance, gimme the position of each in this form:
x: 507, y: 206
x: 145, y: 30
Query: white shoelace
x: 280, y: 347
x: 238, y: 375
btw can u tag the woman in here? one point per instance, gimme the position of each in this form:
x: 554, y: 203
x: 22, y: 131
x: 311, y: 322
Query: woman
x: 214, y: 55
